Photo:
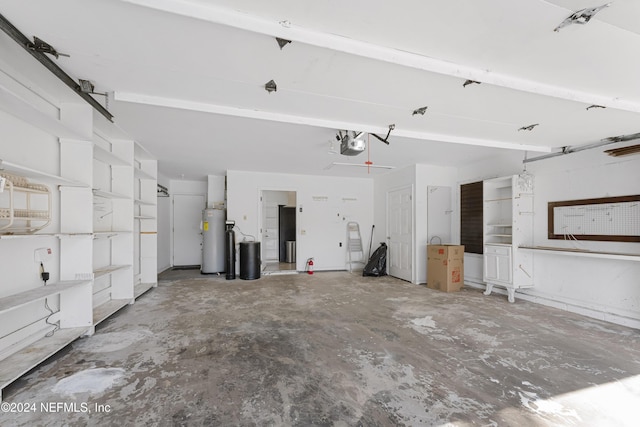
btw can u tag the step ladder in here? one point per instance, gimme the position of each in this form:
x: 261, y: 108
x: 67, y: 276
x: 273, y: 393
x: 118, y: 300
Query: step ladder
x: 354, y: 245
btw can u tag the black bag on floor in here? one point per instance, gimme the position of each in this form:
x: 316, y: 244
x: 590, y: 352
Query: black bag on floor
x: 377, y: 265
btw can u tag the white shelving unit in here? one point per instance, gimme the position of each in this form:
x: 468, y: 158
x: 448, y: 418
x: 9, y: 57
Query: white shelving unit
x: 82, y: 180
x: 146, y: 224
x: 508, y: 224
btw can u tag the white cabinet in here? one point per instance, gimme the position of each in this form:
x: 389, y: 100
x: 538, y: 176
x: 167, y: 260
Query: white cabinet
x: 497, y: 263
x: 508, y: 224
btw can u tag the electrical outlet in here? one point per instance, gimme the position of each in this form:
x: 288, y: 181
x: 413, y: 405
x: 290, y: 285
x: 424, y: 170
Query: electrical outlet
x: 42, y: 255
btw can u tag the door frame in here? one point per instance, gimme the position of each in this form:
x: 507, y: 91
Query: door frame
x: 413, y: 226
x: 260, y: 199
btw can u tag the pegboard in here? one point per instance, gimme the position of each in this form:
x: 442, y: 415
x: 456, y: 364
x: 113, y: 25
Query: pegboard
x: 606, y: 219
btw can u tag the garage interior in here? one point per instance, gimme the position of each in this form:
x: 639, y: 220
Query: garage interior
x: 504, y: 132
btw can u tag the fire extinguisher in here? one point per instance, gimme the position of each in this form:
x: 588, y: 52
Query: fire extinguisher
x: 310, y: 266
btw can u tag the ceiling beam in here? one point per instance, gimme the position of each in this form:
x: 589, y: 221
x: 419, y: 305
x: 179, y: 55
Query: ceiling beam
x: 181, y: 104
x: 289, y: 31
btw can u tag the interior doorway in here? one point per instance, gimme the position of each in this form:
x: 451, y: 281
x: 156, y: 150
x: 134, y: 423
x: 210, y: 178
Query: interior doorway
x: 187, y: 236
x: 278, y: 231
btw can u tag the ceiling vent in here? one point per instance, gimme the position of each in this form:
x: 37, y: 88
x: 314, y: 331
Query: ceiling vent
x: 351, y: 144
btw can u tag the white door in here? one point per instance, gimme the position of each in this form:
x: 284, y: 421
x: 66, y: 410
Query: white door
x: 270, y: 237
x: 187, y: 236
x: 400, y: 228
x: 438, y: 215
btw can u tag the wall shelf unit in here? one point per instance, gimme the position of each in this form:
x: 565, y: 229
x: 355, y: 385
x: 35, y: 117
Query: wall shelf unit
x: 83, y: 195
x: 508, y: 224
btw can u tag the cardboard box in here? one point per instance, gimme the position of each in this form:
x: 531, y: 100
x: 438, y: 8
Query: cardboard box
x: 445, y: 267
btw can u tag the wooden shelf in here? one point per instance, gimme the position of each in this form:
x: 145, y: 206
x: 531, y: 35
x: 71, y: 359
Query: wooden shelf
x: 584, y: 253
x: 22, y: 298
x: 141, y: 153
x: 108, y: 195
x: 108, y: 157
x: 21, y: 362
x: 104, y: 271
x: 501, y: 199
x: 38, y: 175
x: 36, y: 235
x: 104, y: 311
x: 143, y: 203
x: 141, y: 288
x: 108, y: 234
x: 140, y: 174
x: 144, y: 217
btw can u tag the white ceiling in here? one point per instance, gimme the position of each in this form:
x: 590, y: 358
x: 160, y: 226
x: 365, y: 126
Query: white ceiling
x: 186, y: 77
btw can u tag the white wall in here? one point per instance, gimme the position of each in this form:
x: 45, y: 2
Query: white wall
x: 602, y: 288
x: 164, y: 226
x: 321, y: 225
x: 215, y: 189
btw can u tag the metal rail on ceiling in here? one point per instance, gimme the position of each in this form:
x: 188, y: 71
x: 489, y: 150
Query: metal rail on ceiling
x: 23, y: 41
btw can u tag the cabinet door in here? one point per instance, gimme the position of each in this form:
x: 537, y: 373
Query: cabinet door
x: 497, y: 264
x: 504, y: 268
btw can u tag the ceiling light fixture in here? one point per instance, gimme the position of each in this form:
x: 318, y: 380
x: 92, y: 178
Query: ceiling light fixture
x: 270, y: 86
x: 282, y: 42
x: 529, y: 128
x: 420, y: 111
x: 581, y: 17
x: 470, y: 82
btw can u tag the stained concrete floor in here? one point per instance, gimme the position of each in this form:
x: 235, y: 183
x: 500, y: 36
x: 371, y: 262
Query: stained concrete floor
x: 336, y: 349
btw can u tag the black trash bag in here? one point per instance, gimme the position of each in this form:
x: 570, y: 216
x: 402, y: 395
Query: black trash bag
x: 377, y: 265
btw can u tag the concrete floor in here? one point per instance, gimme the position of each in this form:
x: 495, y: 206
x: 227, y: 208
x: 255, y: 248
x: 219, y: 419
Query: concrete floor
x: 336, y: 349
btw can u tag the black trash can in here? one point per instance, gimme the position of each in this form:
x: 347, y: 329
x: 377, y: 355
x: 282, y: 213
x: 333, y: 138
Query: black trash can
x: 249, y: 260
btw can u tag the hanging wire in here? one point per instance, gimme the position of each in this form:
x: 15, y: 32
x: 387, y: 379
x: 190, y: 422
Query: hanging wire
x: 245, y: 235
x: 56, y: 326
